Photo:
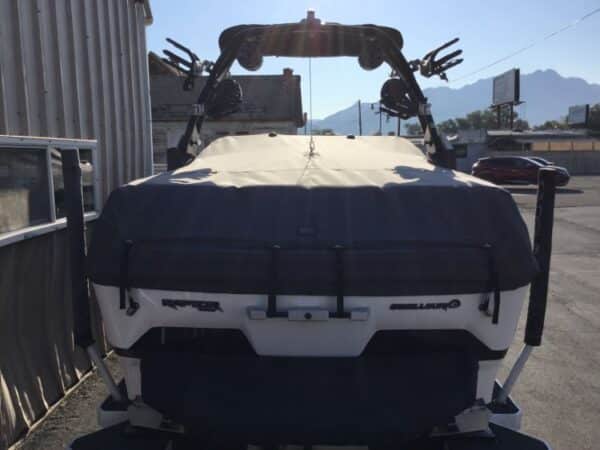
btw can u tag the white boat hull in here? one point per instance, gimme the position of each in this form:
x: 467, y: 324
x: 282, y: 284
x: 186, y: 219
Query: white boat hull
x: 297, y: 336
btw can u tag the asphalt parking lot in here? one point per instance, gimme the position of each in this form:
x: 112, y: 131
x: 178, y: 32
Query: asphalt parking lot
x: 559, y: 391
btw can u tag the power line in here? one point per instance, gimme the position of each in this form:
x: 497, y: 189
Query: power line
x: 527, y: 47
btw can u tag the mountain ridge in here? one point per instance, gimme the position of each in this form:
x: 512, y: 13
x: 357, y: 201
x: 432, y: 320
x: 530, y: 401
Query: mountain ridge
x: 546, y: 93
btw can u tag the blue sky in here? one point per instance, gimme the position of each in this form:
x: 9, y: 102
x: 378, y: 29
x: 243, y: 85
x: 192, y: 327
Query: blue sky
x: 488, y: 31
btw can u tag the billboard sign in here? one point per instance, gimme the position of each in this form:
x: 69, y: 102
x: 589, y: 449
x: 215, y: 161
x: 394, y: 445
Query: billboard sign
x: 506, y: 88
x: 578, y: 115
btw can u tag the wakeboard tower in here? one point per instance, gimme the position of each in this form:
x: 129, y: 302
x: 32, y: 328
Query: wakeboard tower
x: 298, y: 290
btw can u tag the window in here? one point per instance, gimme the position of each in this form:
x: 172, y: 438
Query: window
x: 87, y: 181
x: 24, y: 188
x: 32, y: 187
x: 159, y: 144
x: 499, y: 162
x: 522, y: 163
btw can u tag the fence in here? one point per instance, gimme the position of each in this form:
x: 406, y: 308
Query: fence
x: 71, y: 70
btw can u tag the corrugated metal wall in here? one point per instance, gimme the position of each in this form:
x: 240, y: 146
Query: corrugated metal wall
x: 68, y: 69
x: 38, y: 360
x: 78, y: 69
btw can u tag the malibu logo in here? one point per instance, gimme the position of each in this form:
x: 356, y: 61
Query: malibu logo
x: 452, y: 304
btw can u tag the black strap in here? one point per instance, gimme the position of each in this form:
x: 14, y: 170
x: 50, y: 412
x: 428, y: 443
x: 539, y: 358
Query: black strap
x: 274, y: 282
x: 493, y: 283
x: 124, y: 272
x: 496, y: 311
x: 340, y: 278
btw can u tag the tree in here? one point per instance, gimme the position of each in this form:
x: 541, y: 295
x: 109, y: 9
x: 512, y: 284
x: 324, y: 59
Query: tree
x: 448, y: 126
x: 594, y: 120
x: 521, y: 124
x: 476, y: 120
x: 323, y: 132
x: 485, y: 119
x: 413, y: 129
x: 552, y: 125
x: 561, y: 124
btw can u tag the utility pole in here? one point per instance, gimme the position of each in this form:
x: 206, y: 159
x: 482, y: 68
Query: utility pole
x: 498, y: 117
x: 359, y: 120
x: 399, y: 128
x: 512, y: 116
x: 378, y: 112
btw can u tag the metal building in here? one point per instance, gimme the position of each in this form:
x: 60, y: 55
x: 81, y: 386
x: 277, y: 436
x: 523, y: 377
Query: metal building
x: 78, y: 69
x: 73, y: 73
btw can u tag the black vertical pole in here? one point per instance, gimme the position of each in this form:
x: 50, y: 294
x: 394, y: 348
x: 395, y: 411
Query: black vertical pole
x: 399, y: 127
x: 305, y: 118
x: 82, y: 327
x: 542, y: 249
x: 73, y: 195
x: 359, y: 119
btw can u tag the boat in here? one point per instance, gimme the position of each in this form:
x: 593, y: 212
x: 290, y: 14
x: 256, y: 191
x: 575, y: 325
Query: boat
x: 315, y: 290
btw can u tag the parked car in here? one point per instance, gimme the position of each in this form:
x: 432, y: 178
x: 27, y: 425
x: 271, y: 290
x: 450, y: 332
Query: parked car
x: 542, y: 161
x: 514, y: 170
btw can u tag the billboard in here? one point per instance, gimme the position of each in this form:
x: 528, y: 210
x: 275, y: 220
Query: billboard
x: 506, y: 88
x: 578, y: 115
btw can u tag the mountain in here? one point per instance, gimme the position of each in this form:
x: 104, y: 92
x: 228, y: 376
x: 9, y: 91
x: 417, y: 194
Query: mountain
x: 547, y: 96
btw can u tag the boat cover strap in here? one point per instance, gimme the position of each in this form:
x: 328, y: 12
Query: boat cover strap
x: 339, y: 259
x: 272, y: 299
x: 494, y: 283
x: 124, y: 273
x: 275, y: 286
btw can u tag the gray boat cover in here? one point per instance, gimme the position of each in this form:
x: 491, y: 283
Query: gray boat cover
x: 358, y: 215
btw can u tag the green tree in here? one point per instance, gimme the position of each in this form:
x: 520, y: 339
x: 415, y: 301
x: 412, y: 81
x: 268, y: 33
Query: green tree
x: 484, y: 119
x: 413, y: 129
x: 594, y: 120
x: 476, y: 119
x: 462, y: 123
x: 561, y: 124
x: 521, y: 124
x: 448, y: 126
x: 323, y: 132
x: 552, y: 125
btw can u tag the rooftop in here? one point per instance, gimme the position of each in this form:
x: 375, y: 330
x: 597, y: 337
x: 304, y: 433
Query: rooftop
x: 539, y: 134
